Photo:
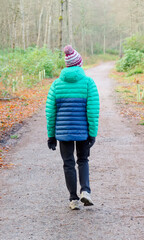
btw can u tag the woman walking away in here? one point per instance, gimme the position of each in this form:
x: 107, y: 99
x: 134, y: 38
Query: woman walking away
x: 72, y: 112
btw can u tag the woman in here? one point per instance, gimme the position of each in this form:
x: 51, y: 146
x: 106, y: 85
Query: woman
x: 72, y: 112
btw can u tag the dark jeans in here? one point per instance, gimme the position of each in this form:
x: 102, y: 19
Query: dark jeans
x: 82, y: 152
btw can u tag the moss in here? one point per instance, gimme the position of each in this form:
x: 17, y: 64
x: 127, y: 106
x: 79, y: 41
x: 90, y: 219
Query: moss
x: 60, y: 18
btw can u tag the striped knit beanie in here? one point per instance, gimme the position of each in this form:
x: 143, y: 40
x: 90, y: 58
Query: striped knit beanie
x: 72, y: 57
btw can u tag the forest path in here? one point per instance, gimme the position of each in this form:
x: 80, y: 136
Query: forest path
x: 35, y: 199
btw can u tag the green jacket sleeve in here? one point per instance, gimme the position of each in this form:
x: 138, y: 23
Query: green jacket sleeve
x: 93, y: 107
x: 51, y: 111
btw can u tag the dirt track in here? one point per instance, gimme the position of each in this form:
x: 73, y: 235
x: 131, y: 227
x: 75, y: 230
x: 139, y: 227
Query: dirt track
x: 34, y: 202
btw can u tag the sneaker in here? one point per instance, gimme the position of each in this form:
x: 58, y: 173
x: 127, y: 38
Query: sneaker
x: 86, y: 199
x: 74, y: 205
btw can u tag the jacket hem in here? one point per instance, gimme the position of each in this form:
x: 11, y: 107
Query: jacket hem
x: 71, y: 138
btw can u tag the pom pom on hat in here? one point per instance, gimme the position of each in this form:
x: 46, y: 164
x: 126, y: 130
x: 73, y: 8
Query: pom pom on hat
x: 68, y: 50
x: 72, y: 57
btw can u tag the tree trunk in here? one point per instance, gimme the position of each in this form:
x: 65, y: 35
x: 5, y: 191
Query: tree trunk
x: 49, y: 33
x: 39, y: 29
x: 52, y: 32
x: 49, y: 26
x: 10, y: 31
x: 70, y: 21
x: 104, y: 43
x: 27, y: 33
x: 82, y: 40
x: 104, y: 37
x: 46, y: 29
x: 120, y: 46
x: 92, y: 51
x: 61, y: 27
x: 23, y: 22
x: 67, y: 22
x: 14, y: 32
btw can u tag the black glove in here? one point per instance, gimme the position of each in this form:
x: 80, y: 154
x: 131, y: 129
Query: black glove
x: 91, y: 141
x: 52, y: 143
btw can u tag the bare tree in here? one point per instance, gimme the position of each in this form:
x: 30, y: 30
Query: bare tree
x: 39, y: 28
x: 46, y: 26
x: 49, y: 25
x: 70, y: 21
x: 104, y: 31
x: 23, y: 22
x: 15, y: 11
x: 61, y: 25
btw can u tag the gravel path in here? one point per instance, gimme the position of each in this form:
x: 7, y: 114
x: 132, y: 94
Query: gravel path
x: 34, y: 201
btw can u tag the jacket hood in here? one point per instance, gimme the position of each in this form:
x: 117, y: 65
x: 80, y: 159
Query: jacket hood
x: 72, y: 74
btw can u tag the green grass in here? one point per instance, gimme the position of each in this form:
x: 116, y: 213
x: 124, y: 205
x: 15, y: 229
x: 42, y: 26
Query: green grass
x: 14, y: 137
x: 141, y: 123
x: 137, y: 70
x: 108, y: 57
x: 122, y: 90
x: 126, y: 91
x: 93, y: 60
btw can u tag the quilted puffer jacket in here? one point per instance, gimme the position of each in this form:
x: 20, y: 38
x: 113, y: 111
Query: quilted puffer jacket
x: 72, y: 106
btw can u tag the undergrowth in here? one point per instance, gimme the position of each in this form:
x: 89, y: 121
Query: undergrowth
x: 20, y: 69
x: 92, y: 60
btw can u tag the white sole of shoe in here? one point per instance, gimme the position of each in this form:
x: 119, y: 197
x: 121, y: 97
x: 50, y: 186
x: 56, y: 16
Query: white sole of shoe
x: 74, y: 206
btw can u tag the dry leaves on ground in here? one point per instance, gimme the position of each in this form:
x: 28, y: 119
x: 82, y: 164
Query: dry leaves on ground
x: 18, y: 109
x: 127, y: 89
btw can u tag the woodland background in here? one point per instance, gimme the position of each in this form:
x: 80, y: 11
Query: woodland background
x: 95, y: 26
